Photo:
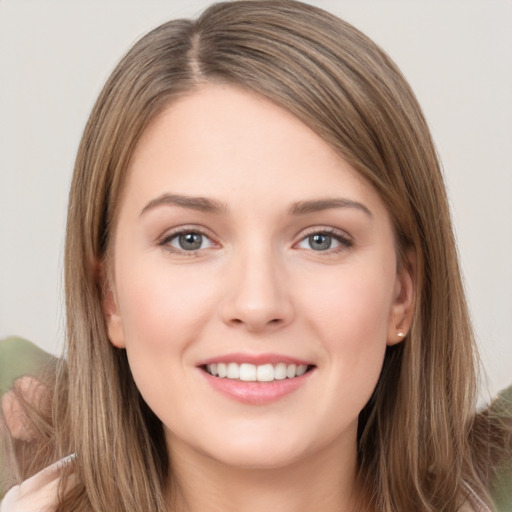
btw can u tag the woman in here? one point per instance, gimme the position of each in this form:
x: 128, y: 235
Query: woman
x: 263, y: 297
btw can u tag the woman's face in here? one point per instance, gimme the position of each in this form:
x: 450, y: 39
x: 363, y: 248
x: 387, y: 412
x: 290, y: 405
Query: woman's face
x: 246, y: 253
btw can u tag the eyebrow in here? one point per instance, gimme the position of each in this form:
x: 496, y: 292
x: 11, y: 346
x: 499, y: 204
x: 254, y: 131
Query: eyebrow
x: 317, y: 205
x: 207, y: 205
x: 201, y: 204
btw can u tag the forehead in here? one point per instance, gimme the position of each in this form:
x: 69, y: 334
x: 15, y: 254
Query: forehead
x: 234, y: 144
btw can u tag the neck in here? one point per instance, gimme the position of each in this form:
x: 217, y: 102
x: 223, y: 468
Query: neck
x: 324, y: 481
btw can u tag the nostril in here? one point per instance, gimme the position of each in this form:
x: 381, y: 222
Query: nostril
x: 274, y: 321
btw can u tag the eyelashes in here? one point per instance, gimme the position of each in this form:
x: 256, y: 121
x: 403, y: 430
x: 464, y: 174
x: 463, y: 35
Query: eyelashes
x: 327, y: 240
x: 188, y: 241
x: 192, y: 240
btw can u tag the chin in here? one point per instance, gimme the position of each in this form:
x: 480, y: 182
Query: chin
x: 267, y: 447
x: 258, y: 457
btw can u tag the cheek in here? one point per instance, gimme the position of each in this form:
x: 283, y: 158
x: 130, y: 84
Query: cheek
x: 350, y: 318
x: 163, y: 312
x: 351, y: 307
x: 162, y: 306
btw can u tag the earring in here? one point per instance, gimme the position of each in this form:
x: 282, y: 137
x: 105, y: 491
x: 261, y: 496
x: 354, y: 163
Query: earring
x: 400, y: 334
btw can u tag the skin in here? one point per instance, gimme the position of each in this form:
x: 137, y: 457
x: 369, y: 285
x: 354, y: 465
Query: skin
x: 256, y: 286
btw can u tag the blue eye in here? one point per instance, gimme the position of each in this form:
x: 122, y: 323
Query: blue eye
x: 190, y: 241
x: 187, y: 241
x: 324, y: 241
x: 320, y: 241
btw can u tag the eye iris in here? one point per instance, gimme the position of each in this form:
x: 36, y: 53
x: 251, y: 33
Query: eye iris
x: 190, y: 241
x: 320, y: 242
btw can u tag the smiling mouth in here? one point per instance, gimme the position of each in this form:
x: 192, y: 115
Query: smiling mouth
x: 247, y: 372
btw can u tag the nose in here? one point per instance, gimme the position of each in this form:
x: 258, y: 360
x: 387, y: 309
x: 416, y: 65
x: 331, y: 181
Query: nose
x: 258, y: 296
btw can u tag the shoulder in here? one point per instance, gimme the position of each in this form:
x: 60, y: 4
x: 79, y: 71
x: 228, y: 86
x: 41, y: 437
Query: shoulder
x: 38, y: 493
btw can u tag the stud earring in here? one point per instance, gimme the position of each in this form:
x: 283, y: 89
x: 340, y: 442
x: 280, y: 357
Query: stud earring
x: 400, y: 334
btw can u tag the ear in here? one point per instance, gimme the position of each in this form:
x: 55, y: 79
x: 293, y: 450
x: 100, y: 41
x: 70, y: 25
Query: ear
x: 402, y: 309
x: 113, y: 319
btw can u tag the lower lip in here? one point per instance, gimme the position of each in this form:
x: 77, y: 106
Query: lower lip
x: 256, y: 393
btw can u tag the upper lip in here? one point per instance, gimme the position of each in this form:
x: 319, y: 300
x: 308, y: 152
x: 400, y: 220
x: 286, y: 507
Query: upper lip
x: 255, y: 359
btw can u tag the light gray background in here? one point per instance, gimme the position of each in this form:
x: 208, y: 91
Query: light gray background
x: 55, y: 55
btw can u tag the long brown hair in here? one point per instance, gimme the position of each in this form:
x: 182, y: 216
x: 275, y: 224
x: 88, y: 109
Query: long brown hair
x: 418, y: 444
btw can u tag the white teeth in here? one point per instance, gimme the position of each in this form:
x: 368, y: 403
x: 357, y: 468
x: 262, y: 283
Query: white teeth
x: 301, y: 370
x: 280, y: 371
x: 252, y: 373
x: 265, y: 373
x: 233, y: 371
x: 222, y: 370
x: 291, y: 370
x: 247, y: 372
